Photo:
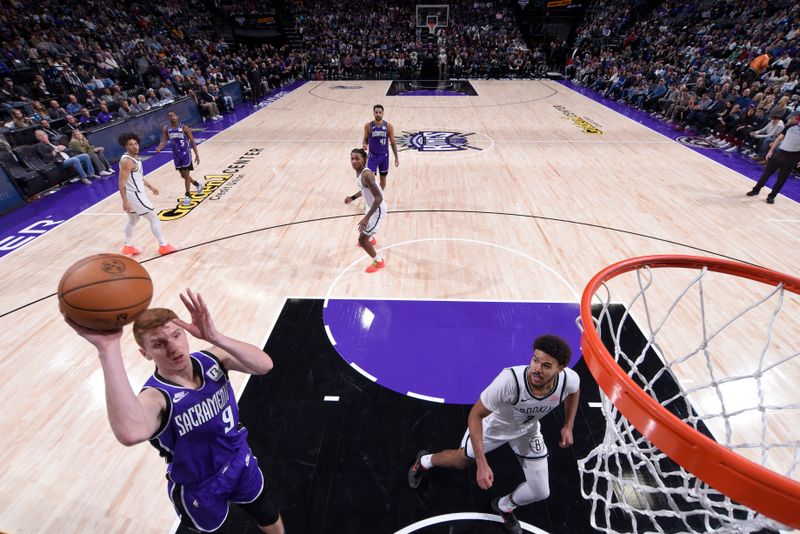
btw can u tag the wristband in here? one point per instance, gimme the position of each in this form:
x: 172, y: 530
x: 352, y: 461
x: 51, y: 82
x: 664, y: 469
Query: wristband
x: 353, y: 197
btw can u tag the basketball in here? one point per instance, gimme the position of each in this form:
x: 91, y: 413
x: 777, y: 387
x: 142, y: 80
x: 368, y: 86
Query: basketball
x: 104, y: 292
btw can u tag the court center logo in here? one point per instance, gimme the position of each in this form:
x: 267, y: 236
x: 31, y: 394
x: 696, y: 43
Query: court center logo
x: 443, y: 141
x: 216, y: 187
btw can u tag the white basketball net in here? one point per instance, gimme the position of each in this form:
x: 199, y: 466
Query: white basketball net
x: 631, y: 484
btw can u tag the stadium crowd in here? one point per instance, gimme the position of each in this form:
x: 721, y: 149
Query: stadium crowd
x: 724, y: 69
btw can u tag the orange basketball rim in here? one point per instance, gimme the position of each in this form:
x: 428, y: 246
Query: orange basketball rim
x: 744, y: 481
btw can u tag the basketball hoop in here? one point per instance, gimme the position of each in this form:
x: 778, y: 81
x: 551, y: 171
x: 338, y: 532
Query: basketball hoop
x: 432, y: 23
x: 655, y: 431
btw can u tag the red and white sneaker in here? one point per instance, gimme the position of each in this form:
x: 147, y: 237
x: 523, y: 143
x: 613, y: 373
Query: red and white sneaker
x: 166, y: 249
x: 130, y: 250
x: 376, y: 266
x: 372, y: 242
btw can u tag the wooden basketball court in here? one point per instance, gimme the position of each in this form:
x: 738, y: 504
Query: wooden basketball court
x: 529, y: 212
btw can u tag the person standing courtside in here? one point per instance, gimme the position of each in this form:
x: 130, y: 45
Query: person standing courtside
x: 508, y: 411
x: 181, y: 139
x: 134, y: 198
x: 374, y: 206
x: 378, y: 134
x: 187, y: 410
x: 783, y: 156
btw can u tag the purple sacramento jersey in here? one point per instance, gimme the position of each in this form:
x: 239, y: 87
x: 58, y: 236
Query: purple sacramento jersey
x: 180, y: 146
x: 200, y: 432
x: 378, y: 147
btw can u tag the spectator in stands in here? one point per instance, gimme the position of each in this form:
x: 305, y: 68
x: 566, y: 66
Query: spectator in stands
x: 103, y: 116
x: 55, y: 111
x: 18, y: 121
x: 142, y: 103
x: 73, y: 107
x: 116, y: 93
x: 225, y: 103
x: 207, y: 104
x: 125, y: 110
x: 766, y: 135
x: 91, y: 101
x: 165, y: 92
x: 49, y: 152
x: 39, y: 111
x: 72, y: 124
x: 758, y: 65
x: 40, y: 90
x: 107, y: 96
x: 10, y: 97
x: 134, y: 105
x: 85, y: 119
x: 79, y: 144
x: 152, y: 98
x: 55, y: 137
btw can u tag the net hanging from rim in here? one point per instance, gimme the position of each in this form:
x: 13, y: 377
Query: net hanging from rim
x: 697, y: 366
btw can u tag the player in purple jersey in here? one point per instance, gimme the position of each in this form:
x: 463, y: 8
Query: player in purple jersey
x: 188, y: 411
x: 181, y: 139
x: 378, y: 135
x: 508, y: 411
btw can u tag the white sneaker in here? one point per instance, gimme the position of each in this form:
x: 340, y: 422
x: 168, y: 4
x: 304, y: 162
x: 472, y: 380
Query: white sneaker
x: 199, y: 186
x: 106, y: 173
x: 733, y: 149
x: 725, y: 146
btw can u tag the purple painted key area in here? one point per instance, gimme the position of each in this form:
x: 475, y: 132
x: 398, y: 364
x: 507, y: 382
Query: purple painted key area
x: 736, y: 162
x: 49, y: 211
x: 446, y: 349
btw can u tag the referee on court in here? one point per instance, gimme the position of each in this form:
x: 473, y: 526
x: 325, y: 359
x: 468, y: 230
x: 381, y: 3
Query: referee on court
x: 783, y: 159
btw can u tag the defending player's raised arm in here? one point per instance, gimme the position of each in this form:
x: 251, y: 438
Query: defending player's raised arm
x: 393, y: 143
x: 234, y: 354
x: 163, y: 142
x: 365, y: 140
x: 133, y: 419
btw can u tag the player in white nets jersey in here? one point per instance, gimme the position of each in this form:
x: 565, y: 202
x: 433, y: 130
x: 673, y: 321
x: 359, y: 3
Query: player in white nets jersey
x: 135, y: 201
x: 508, y: 411
x: 374, y: 207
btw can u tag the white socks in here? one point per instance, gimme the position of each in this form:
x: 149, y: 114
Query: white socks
x: 506, y: 505
x: 424, y: 460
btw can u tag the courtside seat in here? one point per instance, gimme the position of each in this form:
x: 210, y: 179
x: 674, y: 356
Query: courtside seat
x: 53, y: 173
x: 29, y: 181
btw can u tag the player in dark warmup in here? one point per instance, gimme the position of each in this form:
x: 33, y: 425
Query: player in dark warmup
x: 181, y: 139
x: 378, y: 135
x: 187, y: 410
x: 508, y: 411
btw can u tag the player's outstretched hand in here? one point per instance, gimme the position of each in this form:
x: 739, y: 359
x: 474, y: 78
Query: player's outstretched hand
x: 348, y: 200
x: 566, y: 438
x: 202, y: 326
x: 485, y: 477
x: 101, y: 339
